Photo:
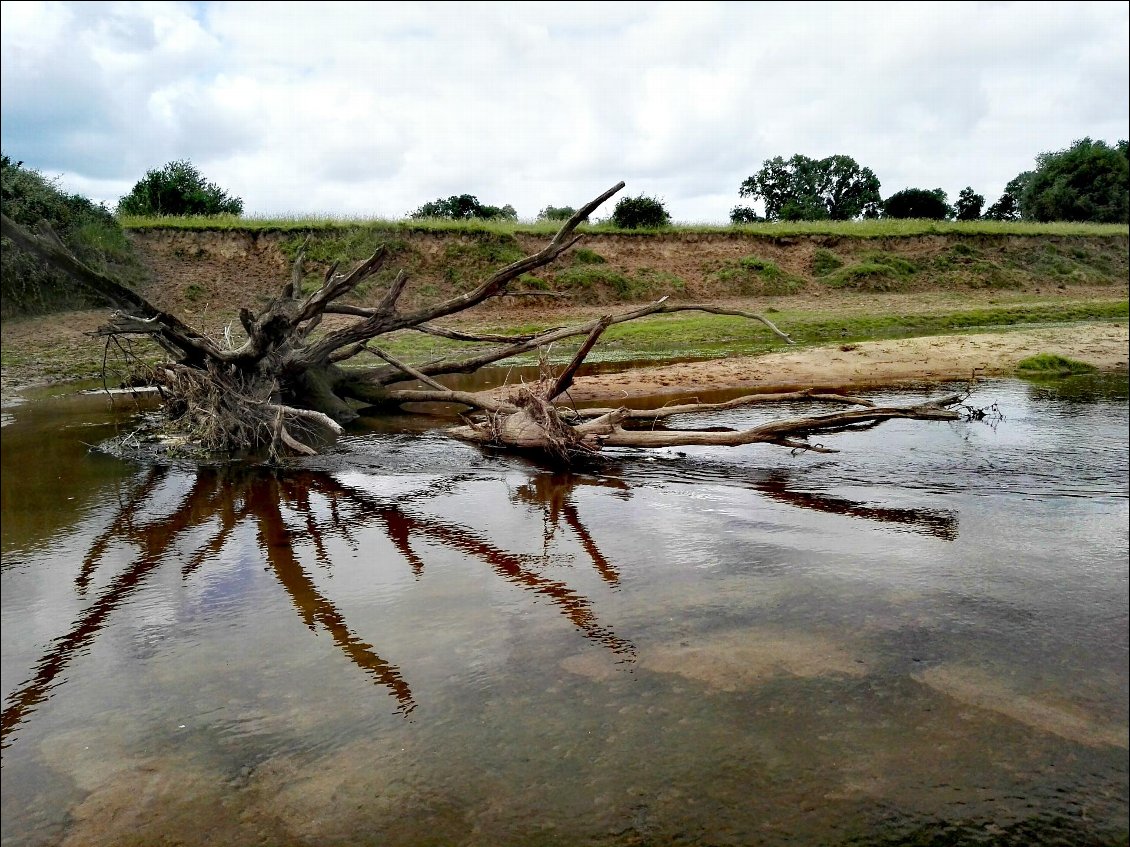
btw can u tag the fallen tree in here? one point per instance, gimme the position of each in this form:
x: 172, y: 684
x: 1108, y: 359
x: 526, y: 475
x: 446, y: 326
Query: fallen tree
x: 286, y: 387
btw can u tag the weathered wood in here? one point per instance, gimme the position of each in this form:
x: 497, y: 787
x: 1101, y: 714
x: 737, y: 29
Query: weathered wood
x: 283, y: 388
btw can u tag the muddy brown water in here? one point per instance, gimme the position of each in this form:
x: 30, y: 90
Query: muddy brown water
x: 919, y: 640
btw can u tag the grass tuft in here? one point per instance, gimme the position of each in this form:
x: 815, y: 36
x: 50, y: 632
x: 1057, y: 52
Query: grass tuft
x: 754, y: 276
x: 1052, y: 364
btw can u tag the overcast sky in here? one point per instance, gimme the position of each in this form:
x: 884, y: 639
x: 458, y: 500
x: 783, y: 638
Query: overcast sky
x: 371, y: 109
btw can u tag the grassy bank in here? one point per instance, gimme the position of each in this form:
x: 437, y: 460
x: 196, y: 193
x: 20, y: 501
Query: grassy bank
x: 694, y: 334
x: 776, y: 229
x: 823, y: 283
x: 38, y: 350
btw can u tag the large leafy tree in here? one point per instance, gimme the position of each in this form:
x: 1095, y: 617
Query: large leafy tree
x: 926, y: 203
x: 1089, y: 181
x: 464, y: 207
x: 835, y: 188
x: 178, y: 189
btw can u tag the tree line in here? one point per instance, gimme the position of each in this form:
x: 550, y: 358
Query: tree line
x: 1089, y: 181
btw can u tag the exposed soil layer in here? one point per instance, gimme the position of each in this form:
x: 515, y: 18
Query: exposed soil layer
x: 208, y: 275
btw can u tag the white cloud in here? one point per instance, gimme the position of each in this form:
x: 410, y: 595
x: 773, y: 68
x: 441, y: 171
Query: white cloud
x: 376, y: 108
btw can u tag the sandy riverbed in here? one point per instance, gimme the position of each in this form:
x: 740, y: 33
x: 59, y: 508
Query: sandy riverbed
x: 931, y: 358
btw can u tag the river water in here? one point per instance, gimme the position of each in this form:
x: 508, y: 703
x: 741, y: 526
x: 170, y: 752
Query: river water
x: 921, y: 639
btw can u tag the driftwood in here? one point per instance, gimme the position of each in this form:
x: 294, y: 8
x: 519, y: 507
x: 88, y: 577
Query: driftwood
x: 285, y: 388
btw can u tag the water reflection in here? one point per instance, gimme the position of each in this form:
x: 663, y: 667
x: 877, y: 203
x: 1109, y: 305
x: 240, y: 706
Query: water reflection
x: 294, y: 510
x: 325, y: 508
x: 780, y: 485
x: 553, y: 494
x: 795, y: 488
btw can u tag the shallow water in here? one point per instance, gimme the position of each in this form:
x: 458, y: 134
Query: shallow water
x: 921, y: 639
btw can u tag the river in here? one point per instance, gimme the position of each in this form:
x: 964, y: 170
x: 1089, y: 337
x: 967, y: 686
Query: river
x: 921, y: 639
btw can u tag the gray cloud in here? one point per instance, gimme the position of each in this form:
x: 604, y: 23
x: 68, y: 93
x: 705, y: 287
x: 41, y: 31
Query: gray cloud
x: 372, y: 109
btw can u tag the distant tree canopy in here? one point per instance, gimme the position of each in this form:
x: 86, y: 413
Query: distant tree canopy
x: 1007, y: 207
x: 90, y: 231
x: 464, y: 207
x: 744, y: 215
x: 640, y: 213
x: 178, y: 189
x: 929, y: 204
x: 556, y: 213
x: 1089, y: 181
x: 804, y: 189
x: 969, y: 205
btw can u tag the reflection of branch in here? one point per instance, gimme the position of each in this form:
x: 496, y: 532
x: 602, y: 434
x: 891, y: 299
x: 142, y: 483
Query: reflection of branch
x: 398, y: 528
x: 121, y: 525
x: 277, y: 542
x: 229, y: 496
x: 553, y: 492
x: 779, y: 485
x: 510, y: 566
x: 155, y: 540
x: 81, y: 634
x: 941, y: 524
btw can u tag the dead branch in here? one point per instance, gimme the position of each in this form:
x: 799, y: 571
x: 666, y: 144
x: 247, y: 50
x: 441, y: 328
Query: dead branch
x: 365, y: 385
x: 737, y: 402
x: 606, y: 431
x: 565, y: 378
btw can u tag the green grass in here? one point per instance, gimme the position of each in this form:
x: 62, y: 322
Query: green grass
x: 693, y: 334
x: 585, y: 256
x: 754, y: 276
x: 599, y: 283
x: 868, y: 276
x: 781, y: 229
x: 876, y: 271
x: 824, y: 262
x: 1051, y: 364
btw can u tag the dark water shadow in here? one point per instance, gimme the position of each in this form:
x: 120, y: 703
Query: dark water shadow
x: 792, y: 487
x: 326, y: 508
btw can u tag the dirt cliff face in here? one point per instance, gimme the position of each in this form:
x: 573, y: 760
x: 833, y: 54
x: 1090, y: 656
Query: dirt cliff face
x: 210, y: 274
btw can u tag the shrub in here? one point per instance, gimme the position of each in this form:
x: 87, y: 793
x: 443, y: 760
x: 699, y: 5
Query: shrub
x: 917, y: 203
x: 178, y: 189
x: 585, y: 256
x: 596, y: 283
x: 744, y: 215
x: 876, y: 272
x: 89, y: 230
x: 868, y: 276
x: 640, y: 213
x: 754, y: 276
x: 1053, y: 363
x: 464, y: 207
x: 556, y: 213
x: 824, y: 262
